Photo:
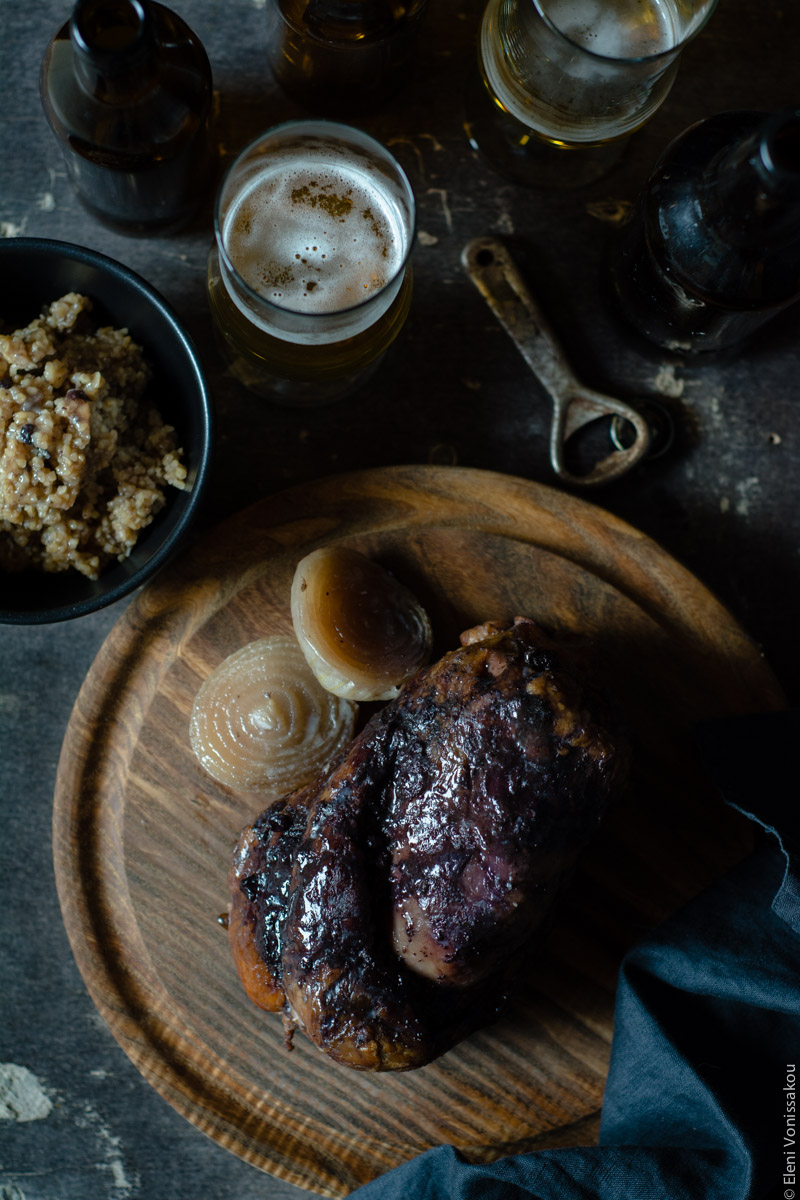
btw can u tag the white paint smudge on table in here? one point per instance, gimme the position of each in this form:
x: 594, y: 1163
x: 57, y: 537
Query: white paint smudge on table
x: 22, y: 1096
x: 667, y: 383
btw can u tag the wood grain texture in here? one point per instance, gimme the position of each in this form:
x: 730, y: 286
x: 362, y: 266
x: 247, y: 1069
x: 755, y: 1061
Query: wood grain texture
x: 143, y: 838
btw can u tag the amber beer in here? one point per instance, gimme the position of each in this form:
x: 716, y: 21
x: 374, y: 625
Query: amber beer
x: 309, y: 281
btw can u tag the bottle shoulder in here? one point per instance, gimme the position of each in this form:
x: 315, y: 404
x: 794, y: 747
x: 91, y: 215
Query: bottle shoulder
x: 683, y: 169
x: 177, y: 65
x: 174, y: 97
x: 695, y: 230
x: 180, y: 47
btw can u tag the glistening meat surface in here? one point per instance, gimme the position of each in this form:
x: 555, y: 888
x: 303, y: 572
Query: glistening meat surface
x: 385, y: 907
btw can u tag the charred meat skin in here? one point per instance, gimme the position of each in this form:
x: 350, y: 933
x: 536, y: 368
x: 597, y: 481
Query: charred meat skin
x: 386, y: 904
x: 259, y: 881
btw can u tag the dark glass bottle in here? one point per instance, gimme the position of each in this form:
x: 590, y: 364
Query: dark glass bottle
x: 714, y: 248
x: 126, y: 88
x: 341, y: 57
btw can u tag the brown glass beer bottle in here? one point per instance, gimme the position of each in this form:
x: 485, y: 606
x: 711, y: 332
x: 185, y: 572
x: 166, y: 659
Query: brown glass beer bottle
x: 126, y: 89
x: 714, y: 248
x: 341, y: 57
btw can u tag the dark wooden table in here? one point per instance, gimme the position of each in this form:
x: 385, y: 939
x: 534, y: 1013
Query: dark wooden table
x: 79, y: 1121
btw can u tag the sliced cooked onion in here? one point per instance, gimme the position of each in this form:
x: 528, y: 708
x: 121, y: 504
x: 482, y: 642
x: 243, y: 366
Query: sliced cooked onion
x: 363, y: 633
x: 261, y: 721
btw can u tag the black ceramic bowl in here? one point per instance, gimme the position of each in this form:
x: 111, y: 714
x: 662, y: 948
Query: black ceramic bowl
x: 33, y: 273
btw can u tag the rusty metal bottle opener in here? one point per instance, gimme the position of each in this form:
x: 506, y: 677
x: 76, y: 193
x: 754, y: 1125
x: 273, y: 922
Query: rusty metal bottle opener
x: 491, y: 269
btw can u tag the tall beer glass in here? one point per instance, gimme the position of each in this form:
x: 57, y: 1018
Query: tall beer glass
x: 309, y: 279
x: 563, y: 83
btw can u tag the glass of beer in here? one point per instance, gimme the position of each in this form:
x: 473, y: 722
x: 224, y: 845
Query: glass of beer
x: 562, y: 84
x: 309, y: 278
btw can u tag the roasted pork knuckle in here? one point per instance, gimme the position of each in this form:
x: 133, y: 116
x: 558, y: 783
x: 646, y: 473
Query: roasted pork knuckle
x: 386, y: 907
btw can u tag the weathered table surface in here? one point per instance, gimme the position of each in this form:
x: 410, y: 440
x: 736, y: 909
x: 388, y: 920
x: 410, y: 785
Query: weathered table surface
x: 78, y: 1121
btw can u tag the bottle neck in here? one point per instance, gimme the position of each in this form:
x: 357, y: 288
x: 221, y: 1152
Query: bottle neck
x: 114, y: 47
x: 751, y: 191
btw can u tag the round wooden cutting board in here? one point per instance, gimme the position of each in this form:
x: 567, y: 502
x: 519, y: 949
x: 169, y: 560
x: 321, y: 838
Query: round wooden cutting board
x: 143, y: 838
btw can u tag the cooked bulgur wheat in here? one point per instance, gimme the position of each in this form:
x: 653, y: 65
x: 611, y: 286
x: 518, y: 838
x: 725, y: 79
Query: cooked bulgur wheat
x: 84, y: 465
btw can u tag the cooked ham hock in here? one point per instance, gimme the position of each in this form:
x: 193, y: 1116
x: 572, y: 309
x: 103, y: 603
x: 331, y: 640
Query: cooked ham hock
x: 385, y: 908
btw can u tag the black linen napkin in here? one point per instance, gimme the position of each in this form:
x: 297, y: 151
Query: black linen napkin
x: 700, y: 1100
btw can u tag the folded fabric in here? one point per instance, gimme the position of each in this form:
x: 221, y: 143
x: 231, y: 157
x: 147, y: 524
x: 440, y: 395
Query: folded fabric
x: 700, y: 1096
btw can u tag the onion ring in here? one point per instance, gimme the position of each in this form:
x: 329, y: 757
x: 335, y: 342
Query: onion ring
x: 363, y: 632
x: 262, y: 722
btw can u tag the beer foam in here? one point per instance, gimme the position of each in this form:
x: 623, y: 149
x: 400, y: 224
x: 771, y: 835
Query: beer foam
x: 630, y: 29
x: 318, y: 236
